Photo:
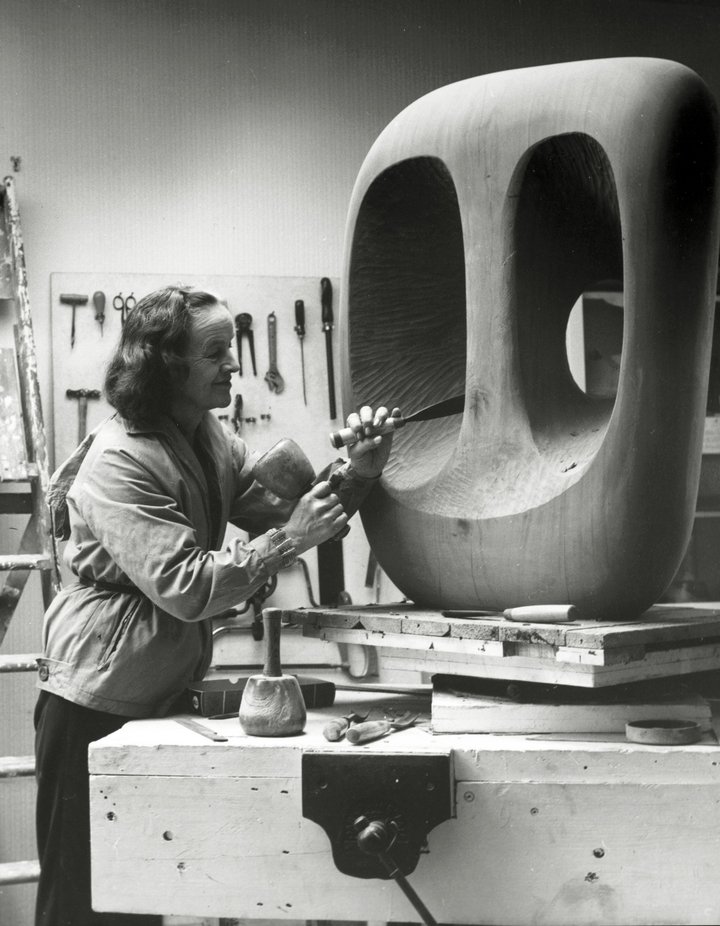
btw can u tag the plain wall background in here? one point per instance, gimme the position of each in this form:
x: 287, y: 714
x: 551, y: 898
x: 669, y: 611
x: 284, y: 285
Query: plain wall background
x: 224, y: 137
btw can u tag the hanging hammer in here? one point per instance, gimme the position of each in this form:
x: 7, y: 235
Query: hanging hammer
x: 82, y: 395
x: 74, y: 300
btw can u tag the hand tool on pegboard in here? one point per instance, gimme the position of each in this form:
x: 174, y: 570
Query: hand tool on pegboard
x: 237, y: 413
x: 300, y: 331
x: 74, y: 300
x: 273, y: 378
x: 327, y: 327
x: 243, y: 329
x: 99, y: 304
x: 453, y: 406
x: 124, y: 306
x: 82, y: 396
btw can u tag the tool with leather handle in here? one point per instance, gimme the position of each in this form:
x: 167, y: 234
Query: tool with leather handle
x: 345, y: 437
x: 327, y: 327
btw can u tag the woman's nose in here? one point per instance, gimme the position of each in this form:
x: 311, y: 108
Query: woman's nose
x: 230, y: 363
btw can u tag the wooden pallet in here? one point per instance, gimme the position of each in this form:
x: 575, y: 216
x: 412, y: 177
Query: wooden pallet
x: 665, y: 641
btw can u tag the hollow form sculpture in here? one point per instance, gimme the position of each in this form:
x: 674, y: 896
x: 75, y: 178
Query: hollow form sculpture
x: 480, y: 215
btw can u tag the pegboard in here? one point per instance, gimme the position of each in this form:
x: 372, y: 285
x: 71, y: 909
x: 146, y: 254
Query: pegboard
x: 276, y: 415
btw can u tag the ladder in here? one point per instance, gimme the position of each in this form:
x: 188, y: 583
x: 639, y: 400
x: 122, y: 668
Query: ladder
x: 24, y: 475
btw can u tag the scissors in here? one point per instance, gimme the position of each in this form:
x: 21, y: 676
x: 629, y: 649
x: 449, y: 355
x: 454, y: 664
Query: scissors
x: 124, y: 306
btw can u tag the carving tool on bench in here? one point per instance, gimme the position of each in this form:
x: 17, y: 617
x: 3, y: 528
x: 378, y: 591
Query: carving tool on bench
x: 73, y: 300
x: 375, y: 729
x: 327, y: 327
x: 201, y: 729
x: 300, y: 331
x: 335, y: 729
x: 453, y: 406
x: 529, y: 614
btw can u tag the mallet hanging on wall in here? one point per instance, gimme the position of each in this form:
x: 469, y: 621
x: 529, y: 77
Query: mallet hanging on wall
x: 73, y: 300
x: 82, y: 395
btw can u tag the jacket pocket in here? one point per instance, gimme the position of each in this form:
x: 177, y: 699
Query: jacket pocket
x: 122, y: 623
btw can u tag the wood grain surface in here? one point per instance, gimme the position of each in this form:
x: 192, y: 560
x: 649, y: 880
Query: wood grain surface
x: 480, y: 215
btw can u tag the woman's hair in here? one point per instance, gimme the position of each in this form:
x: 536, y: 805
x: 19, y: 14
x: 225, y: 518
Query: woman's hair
x: 139, y: 381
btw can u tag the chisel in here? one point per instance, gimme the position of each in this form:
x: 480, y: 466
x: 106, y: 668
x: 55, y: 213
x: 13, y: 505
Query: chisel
x: 453, y: 406
x: 527, y: 614
x: 327, y: 327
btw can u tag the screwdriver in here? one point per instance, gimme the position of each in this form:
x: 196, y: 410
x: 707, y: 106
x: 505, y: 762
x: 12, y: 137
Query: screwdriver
x: 300, y: 330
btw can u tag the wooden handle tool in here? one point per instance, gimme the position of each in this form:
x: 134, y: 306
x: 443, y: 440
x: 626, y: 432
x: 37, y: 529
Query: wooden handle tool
x: 375, y: 729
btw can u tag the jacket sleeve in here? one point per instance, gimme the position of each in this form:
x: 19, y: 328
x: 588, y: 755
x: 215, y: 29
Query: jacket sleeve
x: 140, y: 526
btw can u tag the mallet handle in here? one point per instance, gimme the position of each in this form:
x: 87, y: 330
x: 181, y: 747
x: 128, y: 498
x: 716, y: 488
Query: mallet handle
x: 271, y: 622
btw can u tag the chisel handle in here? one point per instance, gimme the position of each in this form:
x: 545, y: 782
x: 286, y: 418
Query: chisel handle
x: 345, y: 437
x: 336, y: 729
x: 542, y: 613
x: 368, y: 731
x: 300, y: 318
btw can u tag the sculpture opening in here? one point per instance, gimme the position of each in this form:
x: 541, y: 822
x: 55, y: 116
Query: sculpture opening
x: 407, y: 289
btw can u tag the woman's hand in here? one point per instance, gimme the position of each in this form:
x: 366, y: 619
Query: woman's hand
x: 318, y: 516
x: 370, y: 454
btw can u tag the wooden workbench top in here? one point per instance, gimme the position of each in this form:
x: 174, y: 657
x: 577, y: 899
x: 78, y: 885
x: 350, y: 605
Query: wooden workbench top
x: 165, y: 747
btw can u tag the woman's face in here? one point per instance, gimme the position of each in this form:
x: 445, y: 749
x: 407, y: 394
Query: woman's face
x: 210, y: 361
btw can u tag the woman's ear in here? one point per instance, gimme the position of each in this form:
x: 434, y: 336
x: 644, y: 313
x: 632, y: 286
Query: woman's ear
x: 177, y: 369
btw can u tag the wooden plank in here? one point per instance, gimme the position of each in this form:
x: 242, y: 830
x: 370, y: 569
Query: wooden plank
x: 407, y: 641
x: 191, y: 855
x: 554, y: 672
x: 659, y: 625
x: 13, y: 449
x: 456, y: 711
x: 19, y: 662
x: 19, y: 872
x: 17, y: 766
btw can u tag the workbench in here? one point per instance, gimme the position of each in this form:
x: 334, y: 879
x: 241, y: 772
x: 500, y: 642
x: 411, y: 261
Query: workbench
x: 567, y: 830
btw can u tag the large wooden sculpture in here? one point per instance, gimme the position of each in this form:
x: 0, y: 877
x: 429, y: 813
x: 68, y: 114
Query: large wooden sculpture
x: 479, y: 217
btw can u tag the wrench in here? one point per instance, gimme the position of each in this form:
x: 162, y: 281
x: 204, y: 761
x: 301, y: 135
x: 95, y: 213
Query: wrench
x: 273, y: 378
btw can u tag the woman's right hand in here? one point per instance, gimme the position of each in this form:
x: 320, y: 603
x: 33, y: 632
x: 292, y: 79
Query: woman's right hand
x: 317, y: 517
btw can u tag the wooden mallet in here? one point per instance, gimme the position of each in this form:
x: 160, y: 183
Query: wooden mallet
x: 82, y: 395
x: 272, y: 703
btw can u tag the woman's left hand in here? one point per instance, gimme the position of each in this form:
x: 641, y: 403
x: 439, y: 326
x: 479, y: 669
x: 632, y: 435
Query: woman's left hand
x: 369, y: 455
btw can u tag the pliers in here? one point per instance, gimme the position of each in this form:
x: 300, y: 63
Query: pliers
x: 243, y: 326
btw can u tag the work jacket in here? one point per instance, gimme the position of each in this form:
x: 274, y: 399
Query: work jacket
x: 146, y: 527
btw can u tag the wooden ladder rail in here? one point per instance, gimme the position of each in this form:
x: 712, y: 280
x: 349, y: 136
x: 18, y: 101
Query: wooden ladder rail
x: 37, y: 550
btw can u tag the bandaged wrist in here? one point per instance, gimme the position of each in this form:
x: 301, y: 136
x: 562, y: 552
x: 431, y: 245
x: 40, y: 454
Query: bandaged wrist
x: 284, y: 546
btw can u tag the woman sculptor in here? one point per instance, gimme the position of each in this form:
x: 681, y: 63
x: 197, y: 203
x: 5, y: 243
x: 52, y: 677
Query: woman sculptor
x: 144, y: 503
